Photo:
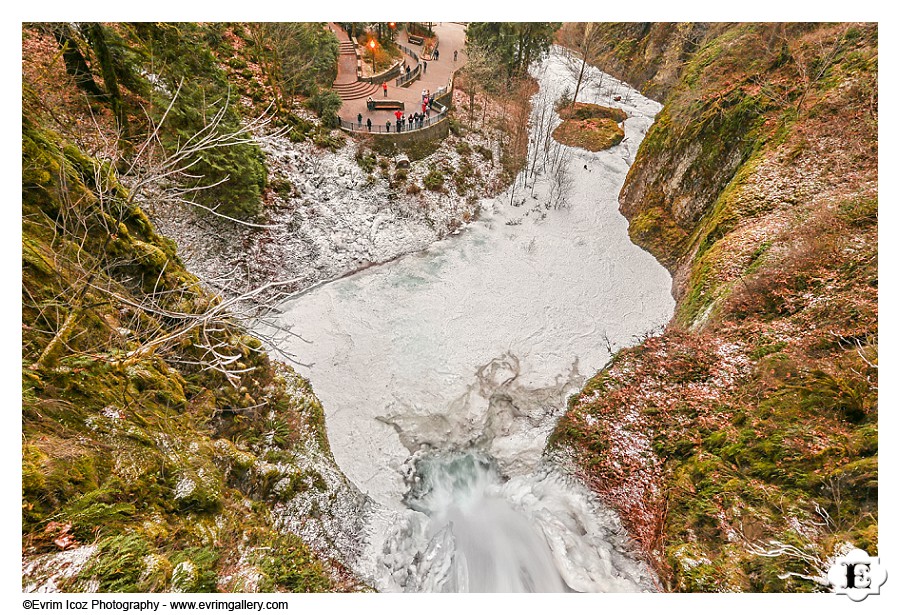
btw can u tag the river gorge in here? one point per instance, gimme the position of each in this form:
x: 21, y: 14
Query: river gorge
x: 443, y: 372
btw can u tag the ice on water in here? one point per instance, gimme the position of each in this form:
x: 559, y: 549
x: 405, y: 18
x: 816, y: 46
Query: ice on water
x: 450, y: 367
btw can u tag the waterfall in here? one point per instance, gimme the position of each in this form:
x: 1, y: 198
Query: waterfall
x: 443, y: 373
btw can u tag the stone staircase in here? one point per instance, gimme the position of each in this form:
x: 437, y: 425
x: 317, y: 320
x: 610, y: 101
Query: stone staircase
x: 355, y: 90
x: 347, y: 48
x: 346, y: 86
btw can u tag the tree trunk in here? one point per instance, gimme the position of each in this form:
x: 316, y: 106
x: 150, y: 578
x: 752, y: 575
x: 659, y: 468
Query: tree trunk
x: 76, y: 65
x: 580, y: 77
x: 519, y: 53
x: 50, y: 354
x: 98, y: 42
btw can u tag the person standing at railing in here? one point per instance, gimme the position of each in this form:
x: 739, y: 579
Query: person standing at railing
x: 387, y: 125
x: 359, y: 119
x: 369, y: 123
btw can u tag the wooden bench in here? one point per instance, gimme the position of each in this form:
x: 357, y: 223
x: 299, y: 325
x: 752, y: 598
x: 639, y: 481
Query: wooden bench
x: 384, y: 103
x: 415, y: 40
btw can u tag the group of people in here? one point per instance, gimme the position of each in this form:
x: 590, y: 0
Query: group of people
x: 360, y: 122
x: 401, y: 124
x: 437, y: 54
x: 409, y: 122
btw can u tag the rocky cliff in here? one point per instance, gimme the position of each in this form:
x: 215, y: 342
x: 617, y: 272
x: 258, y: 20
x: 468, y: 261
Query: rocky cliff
x: 740, y: 446
x: 162, y: 449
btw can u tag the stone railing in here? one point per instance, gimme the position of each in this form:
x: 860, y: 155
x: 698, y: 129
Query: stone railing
x: 387, y: 75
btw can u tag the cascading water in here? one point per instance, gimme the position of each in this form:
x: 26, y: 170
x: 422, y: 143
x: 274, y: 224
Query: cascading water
x: 443, y: 373
x: 495, y: 546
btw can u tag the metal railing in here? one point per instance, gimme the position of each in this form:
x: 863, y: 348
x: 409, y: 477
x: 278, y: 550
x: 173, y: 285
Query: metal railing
x: 409, y: 77
x: 408, y: 51
x: 405, y: 79
x: 391, y: 127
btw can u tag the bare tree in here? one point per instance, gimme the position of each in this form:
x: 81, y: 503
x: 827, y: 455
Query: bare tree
x: 481, y: 67
x: 286, y: 53
x: 542, y: 121
x: 813, y: 61
x: 168, y: 175
x: 547, y: 158
x: 561, y: 181
x: 174, y: 316
x: 583, y: 42
x: 817, y: 566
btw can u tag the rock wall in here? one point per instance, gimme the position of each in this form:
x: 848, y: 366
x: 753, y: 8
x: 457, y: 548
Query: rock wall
x: 748, y: 429
x: 148, y: 464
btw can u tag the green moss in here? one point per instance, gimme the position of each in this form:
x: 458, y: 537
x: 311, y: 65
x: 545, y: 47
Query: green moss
x: 860, y: 212
x: 434, y: 180
x: 463, y: 148
x: 866, y: 538
x: 146, y: 457
x: 767, y: 349
x: 53, y: 474
x: 194, y: 570
x: 118, y: 564
x: 593, y: 134
x: 859, y: 478
x: 233, y: 457
x: 98, y: 510
x: 780, y: 429
x: 757, y: 257
x: 656, y: 231
x: 584, y: 111
x: 288, y: 565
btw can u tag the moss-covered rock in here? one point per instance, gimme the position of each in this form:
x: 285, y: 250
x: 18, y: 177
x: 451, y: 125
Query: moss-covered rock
x: 740, y: 445
x: 138, y: 466
x: 593, y: 134
x: 584, y: 111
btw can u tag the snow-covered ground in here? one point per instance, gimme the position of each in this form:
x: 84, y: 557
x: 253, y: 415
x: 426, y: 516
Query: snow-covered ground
x: 474, y: 344
x: 335, y: 219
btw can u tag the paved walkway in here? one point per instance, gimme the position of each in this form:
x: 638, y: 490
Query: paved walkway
x: 346, y: 85
x: 451, y: 37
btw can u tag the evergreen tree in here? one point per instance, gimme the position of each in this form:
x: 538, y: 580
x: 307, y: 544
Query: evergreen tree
x: 515, y: 44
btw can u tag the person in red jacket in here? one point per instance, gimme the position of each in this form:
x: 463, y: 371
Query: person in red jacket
x: 384, y: 87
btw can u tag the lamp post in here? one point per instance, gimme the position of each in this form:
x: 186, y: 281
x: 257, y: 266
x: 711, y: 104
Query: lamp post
x: 393, y: 26
x: 372, y: 47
